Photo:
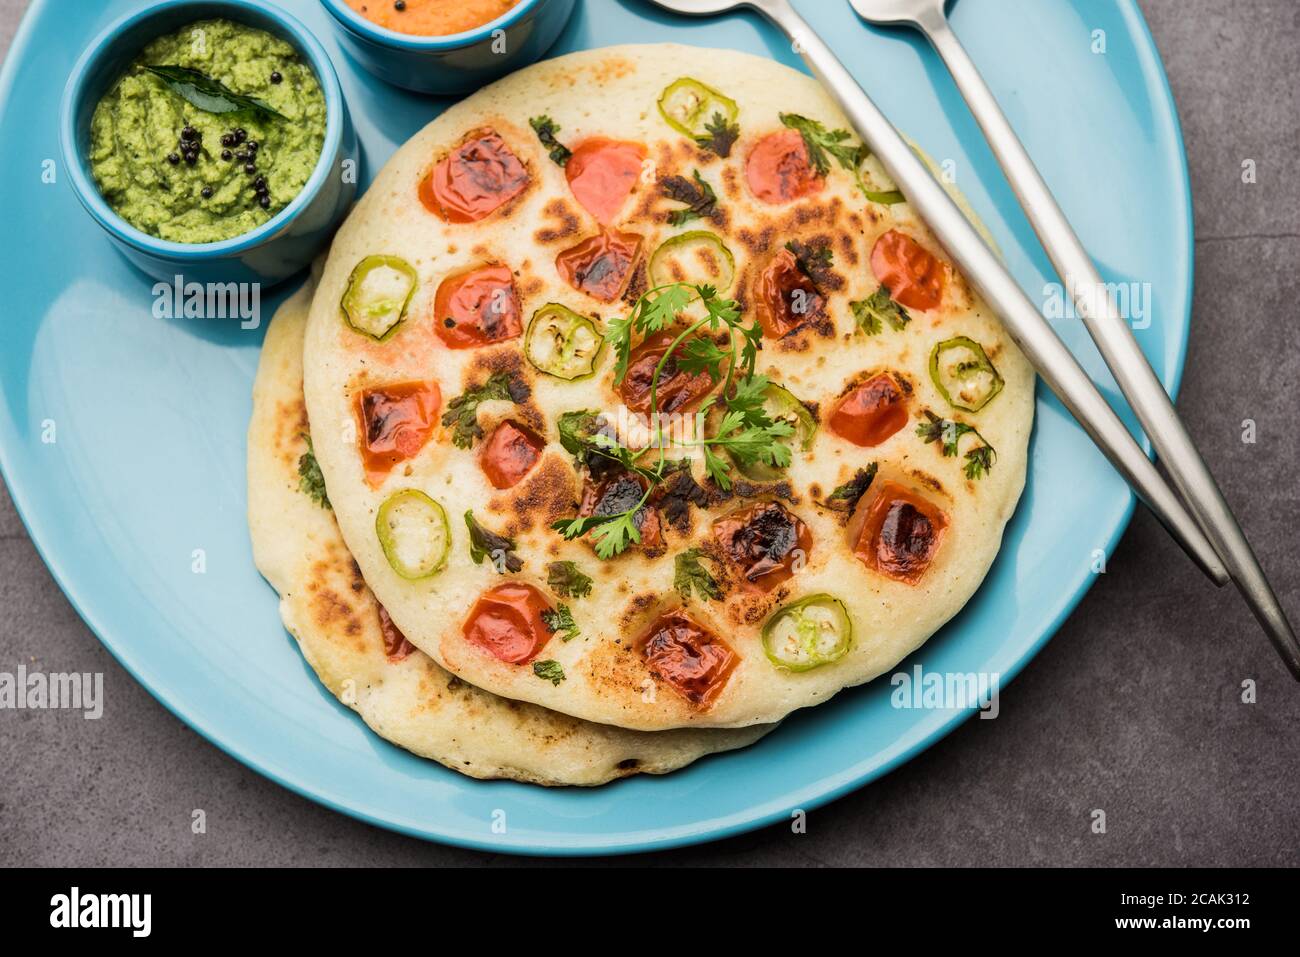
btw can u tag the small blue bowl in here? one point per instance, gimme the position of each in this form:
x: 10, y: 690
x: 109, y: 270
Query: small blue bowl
x: 277, y: 249
x: 461, y: 62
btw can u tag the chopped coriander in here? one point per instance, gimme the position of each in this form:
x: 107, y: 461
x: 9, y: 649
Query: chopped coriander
x: 496, y: 548
x: 722, y: 135
x: 567, y: 580
x: 549, y: 670
x: 546, y: 128
x: 948, y: 434
x: 311, y: 481
x: 700, y: 199
x: 462, y: 412
x: 846, y: 497
x: 814, y: 259
x: 561, y: 623
x: 689, y: 575
x: 821, y: 141
x: 878, y: 308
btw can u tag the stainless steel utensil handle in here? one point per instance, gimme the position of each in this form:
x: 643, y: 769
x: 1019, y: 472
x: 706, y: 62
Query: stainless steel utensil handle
x: 982, y: 268
x: 1116, y: 342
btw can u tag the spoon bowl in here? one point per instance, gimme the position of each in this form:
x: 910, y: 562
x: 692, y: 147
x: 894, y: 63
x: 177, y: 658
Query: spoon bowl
x: 885, y: 12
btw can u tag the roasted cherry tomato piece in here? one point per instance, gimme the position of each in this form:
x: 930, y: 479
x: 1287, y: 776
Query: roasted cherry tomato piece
x: 766, y: 542
x: 871, y: 413
x: 614, y: 494
x: 396, y: 422
x: 602, y: 265
x: 778, y: 170
x: 510, y: 453
x: 507, y: 623
x: 477, y: 308
x: 602, y: 174
x: 896, y: 532
x: 692, y: 660
x: 396, y: 646
x: 786, y: 298
x: 476, y: 179
x: 903, y: 266
x: 677, y: 391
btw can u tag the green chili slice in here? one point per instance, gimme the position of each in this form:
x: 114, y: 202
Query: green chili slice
x: 963, y: 374
x: 378, y: 294
x: 698, y: 257
x: 561, y: 343
x: 809, y: 633
x: 781, y: 404
x: 876, y: 184
x: 687, y: 105
x: 414, y: 534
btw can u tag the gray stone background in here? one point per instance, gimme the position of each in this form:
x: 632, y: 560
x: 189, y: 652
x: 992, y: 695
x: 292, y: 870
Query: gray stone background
x: 1134, y: 707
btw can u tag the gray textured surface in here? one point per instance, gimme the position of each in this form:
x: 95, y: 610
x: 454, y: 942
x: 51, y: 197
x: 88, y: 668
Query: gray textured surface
x: 1133, y: 708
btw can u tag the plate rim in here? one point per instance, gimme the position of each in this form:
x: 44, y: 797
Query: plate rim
x: 816, y: 793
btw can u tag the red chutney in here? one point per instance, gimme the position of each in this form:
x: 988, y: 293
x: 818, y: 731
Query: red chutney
x: 396, y: 422
x: 602, y: 265
x: 904, y: 267
x: 766, y: 542
x: 896, y: 532
x: 778, y: 169
x: 507, y: 622
x: 692, y: 660
x: 476, y: 179
x: 871, y: 413
x: 477, y: 308
x: 677, y: 391
x: 614, y: 494
x: 432, y: 18
x: 602, y: 174
x: 785, y: 297
x: 510, y: 453
x: 396, y: 647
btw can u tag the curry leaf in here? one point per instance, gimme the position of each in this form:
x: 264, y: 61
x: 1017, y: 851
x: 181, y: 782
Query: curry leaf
x: 211, y: 96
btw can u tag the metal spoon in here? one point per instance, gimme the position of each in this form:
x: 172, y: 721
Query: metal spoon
x: 1114, y: 339
x: 1032, y: 333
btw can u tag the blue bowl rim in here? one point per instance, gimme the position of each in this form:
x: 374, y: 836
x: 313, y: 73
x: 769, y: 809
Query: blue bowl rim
x: 88, y: 191
x: 355, y: 22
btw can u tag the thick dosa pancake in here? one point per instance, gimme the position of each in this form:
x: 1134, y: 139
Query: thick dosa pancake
x: 927, y: 528
x: 409, y: 700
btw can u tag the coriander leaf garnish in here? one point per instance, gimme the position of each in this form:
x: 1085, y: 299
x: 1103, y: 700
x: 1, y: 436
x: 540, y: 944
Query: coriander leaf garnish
x: 546, y: 128
x: 488, y: 544
x: 879, y: 308
x: 846, y: 497
x: 722, y: 135
x: 820, y: 142
x: 560, y: 623
x: 549, y: 670
x: 699, y: 197
x: 689, y: 574
x: 311, y: 480
x: 462, y: 412
x: 204, y: 93
x: 567, y: 580
x: 948, y: 433
x: 814, y: 259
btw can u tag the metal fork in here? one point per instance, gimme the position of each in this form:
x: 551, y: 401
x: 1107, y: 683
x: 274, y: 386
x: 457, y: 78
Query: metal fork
x: 1032, y: 333
x: 1108, y: 328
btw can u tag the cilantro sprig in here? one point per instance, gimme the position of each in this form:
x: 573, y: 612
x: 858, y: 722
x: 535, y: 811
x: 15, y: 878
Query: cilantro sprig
x: 567, y: 580
x: 560, y: 623
x: 546, y: 128
x: 690, y: 575
x: 823, y: 145
x: 948, y: 434
x: 311, y: 480
x: 462, y: 412
x: 877, y: 309
x: 717, y: 344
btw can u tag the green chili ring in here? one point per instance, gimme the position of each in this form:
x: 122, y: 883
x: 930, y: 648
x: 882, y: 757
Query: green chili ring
x: 967, y: 384
x: 561, y: 343
x: 808, y: 633
x: 414, y: 534
x: 687, y: 105
x: 678, y: 246
x: 379, y: 292
x: 876, y: 184
x: 781, y: 403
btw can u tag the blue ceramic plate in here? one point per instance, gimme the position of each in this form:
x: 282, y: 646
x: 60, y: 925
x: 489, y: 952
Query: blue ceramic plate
x: 122, y: 434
